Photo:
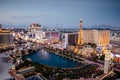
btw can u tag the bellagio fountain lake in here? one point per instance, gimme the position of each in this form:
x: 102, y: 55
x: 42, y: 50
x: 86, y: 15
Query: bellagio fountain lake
x: 50, y: 59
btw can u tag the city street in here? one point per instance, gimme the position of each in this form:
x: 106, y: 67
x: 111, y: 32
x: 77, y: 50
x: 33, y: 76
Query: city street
x: 4, y: 68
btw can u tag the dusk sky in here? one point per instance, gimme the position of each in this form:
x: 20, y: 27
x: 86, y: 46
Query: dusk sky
x: 61, y: 13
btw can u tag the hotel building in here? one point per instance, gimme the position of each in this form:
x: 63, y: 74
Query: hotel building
x: 107, y: 62
x: 6, y: 38
x: 99, y: 37
x: 52, y: 36
x: 36, y: 33
x: 71, y: 38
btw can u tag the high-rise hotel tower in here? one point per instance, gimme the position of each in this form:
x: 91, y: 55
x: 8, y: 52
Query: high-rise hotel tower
x: 6, y: 38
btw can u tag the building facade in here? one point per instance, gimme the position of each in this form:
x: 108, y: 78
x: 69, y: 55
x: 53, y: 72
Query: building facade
x: 99, y: 37
x: 52, y: 36
x: 6, y: 38
x: 103, y: 37
x: 35, y: 32
x: 71, y: 38
x: 107, y: 62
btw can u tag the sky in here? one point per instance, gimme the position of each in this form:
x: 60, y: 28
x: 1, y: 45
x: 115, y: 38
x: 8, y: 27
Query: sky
x: 60, y: 13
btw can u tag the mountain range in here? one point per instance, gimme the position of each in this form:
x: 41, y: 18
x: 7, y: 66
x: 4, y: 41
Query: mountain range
x: 88, y: 27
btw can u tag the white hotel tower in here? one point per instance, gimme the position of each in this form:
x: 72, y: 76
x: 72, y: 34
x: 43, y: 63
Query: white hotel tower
x: 108, y: 58
x: 36, y: 33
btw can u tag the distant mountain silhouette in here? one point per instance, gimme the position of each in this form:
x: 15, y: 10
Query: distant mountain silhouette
x: 86, y: 27
x: 14, y: 26
x: 105, y: 27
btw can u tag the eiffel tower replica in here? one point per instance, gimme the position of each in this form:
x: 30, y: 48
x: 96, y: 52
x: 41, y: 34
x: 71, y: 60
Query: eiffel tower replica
x: 79, y: 44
